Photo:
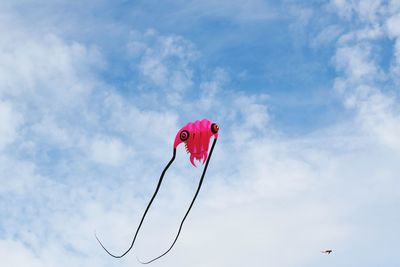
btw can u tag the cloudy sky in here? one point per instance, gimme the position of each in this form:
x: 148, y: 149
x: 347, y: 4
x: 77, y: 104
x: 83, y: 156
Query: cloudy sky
x: 306, y: 94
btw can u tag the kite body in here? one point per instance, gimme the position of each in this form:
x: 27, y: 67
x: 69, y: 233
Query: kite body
x: 196, y: 136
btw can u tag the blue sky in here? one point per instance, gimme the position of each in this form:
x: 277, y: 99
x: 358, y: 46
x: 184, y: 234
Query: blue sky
x: 306, y: 96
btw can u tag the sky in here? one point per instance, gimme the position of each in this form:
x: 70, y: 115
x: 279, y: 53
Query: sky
x: 306, y: 95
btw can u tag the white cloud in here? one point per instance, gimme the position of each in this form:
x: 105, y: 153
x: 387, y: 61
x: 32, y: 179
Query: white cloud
x: 327, y: 35
x: 366, y: 10
x: 356, y: 63
x: 211, y: 88
x: 164, y: 61
x: 54, y: 133
x: 370, y: 10
x: 343, y: 7
x: 17, y: 255
x: 393, y: 31
x: 46, y: 68
x: 112, y: 151
x: 393, y: 6
x: 18, y: 177
x: 361, y: 84
x: 10, y: 120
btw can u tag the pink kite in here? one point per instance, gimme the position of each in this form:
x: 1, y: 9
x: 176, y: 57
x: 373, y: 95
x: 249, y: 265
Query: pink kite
x: 196, y: 136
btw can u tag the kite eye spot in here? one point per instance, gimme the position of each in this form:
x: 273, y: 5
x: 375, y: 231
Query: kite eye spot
x: 184, y: 135
x: 214, y: 128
